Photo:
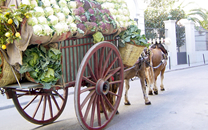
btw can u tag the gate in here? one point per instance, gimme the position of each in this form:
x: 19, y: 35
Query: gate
x: 181, y: 45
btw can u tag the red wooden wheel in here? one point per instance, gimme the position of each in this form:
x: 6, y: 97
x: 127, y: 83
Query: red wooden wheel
x: 99, y: 86
x: 40, y: 106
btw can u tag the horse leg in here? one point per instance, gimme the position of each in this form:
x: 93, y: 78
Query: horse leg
x: 148, y: 85
x: 149, y: 79
x: 162, y: 77
x: 147, y: 101
x: 155, y: 89
x: 126, y: 101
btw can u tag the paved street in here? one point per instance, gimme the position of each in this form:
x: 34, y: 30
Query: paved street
x: 183, y: 106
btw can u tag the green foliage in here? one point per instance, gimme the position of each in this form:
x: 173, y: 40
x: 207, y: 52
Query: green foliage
x: 161, y: 3
x: 10, y: 20
x: 132, y: 34
x: 44, y: 66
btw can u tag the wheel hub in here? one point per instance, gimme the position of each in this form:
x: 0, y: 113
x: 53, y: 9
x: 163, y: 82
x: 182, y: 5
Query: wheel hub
x: 102, y: 87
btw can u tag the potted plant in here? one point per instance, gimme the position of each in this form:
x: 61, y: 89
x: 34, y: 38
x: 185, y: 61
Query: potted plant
x: 131, y: 45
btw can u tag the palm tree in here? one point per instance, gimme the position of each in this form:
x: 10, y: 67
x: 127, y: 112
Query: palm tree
x: 199, y: 17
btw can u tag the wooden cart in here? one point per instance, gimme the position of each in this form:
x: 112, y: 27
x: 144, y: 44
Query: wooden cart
x: 96, y: 73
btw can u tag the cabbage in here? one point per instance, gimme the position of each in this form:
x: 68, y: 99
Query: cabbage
x: 79, y: 3
x: 47, y: 30
x: 38, y: 11
x: 61, y: 28
x: 65, y: 10
x: 69, y: 20
x: 98, y: 37
x: 42, y: 20
x: 54, y: 54
x: 33, y: 60
x: 62, y: 3
x: 48, y: 11
x: 61, y: 17
x: 72, y: 4
x: 82, y: 27
x: 91, y: 11
x: 73, y: 27
x: 53, y: 19
x: 86, y: 5
x: 43, y: 66
x: 79, y: 11
x: 32, y: 21
x: 38, y: 30
x: 126, y: 12
x: 56, y: 8
x: 83, y: 18
x: 46, y: 3
x: 53, y: 2
x: 26, y: 2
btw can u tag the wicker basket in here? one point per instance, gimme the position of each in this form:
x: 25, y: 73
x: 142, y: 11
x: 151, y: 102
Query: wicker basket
x: 130, y: 53
x: 7, y: 76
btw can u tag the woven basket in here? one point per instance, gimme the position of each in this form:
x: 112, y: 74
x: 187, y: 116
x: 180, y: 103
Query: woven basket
x: 7, y: 76
x: 130, y: 53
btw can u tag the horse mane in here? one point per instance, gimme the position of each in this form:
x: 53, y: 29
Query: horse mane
x: 160, y: 46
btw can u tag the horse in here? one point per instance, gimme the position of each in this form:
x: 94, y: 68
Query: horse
x: 159, y: 62
x: 143, y: 70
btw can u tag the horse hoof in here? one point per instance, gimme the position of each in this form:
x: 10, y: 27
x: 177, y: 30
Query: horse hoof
x: 162, y: 89
x: 127, y: 103
x: 150, y: 93
x: 156, y: 92
x: 148, y: 103
x: 117, y: 112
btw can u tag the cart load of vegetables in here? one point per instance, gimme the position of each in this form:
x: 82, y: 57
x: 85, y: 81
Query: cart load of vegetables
x: 64, y: 18
x: 43, y: 66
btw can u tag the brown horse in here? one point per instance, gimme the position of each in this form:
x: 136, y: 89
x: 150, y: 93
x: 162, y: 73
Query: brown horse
x: 159, y: 62
x: 144, y: 71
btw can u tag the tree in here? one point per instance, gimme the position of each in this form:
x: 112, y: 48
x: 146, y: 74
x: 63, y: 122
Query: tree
x: 157, y: 12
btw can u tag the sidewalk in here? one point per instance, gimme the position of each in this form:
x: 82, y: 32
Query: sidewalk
x: 184, y: 66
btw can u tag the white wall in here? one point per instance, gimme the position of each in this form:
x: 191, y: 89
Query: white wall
x: 136, y: 8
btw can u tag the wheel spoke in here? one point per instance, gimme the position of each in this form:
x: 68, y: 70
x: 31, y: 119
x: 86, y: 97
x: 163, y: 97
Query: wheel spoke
x: 101, y: 61
x: 36, y: 110
x: 54, y: 100
x: 44, y: 108
x: 113, y: 93
x: 58, y: 95
x: 109, y: 67
x: 112, y: 73
x: 96, y: 65
x: 91, y: 73
x: 104, y: 110
x: 115, y: 82
x: 98, y: 110
x: 108, y: 102
x: 93, y: 111
x: 50, y: 106
x: 88, y: 107
x: 30, y: 102
x: 87, y: 98
x: 87, y: 89
x: 88, y: 80
x: 106, y: 61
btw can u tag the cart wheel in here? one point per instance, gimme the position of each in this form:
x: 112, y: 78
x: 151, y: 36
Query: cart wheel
x: 40, y: 106
x: 99, y: 86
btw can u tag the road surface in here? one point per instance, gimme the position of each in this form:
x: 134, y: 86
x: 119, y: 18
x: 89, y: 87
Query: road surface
x: 183, y: 106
